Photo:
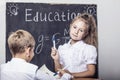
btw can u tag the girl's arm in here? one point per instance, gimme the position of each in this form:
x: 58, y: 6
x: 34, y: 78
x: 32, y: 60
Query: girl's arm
x: 89, y: 73
x: 55, y: 56
x: 57, y: 65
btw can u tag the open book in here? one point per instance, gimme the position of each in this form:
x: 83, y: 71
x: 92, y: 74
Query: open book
x: 47, y: 71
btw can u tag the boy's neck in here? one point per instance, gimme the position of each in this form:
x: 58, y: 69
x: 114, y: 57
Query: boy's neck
x: 20, y: 55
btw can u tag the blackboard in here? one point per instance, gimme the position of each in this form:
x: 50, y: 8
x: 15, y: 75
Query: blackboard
x: 43, y: 21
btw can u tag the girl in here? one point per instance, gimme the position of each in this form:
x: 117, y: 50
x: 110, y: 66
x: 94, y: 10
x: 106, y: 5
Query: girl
x: 79, y: 54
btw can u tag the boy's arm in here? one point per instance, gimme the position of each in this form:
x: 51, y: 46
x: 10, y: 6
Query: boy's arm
x: 64, y: 75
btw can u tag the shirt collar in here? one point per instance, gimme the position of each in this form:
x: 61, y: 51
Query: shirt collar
x: 79, y: 43
x: 18, y: 59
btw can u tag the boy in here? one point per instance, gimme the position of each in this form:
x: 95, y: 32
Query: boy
x: 21, y: 44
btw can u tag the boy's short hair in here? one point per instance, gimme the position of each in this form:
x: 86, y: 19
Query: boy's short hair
x: 18, y: 40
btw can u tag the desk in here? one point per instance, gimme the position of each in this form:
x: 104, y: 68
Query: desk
x: 85, y: 79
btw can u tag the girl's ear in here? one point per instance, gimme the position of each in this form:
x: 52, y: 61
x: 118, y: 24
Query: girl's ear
x: 85, y: 34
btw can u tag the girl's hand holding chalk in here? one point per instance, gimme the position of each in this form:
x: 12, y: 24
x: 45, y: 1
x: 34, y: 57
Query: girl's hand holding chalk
x: 53, y: 40
x: 54, y: 54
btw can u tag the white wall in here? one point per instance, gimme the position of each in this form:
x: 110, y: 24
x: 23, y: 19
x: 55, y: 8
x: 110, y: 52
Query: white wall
x: 109, y: 45
x: 2, y: 32
x: 108, y: 14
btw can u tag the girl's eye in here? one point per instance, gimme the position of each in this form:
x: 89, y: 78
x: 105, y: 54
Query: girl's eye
x: 74, y: 27
x: 81, y: 30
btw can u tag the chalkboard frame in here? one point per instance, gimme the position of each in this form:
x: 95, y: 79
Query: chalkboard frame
x: 44, y: 20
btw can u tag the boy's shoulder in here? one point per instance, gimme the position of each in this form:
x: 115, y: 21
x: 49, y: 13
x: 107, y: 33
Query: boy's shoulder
x: 19, y: 65
x: 3, y: 65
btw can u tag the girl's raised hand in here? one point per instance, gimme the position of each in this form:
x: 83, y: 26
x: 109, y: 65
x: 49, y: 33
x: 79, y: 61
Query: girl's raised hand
x: 54, y: 54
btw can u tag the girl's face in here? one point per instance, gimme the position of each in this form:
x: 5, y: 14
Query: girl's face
x: 78, y: 30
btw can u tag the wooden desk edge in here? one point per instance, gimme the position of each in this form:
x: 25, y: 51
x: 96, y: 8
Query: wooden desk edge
x: 85, y: 79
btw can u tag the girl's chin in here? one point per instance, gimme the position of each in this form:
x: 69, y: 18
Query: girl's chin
x: 75, y: 40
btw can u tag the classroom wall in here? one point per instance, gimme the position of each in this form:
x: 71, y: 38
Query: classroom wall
x: 108, y: 14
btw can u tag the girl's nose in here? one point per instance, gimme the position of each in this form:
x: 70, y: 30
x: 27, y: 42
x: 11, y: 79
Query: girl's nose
x: 76, y: 31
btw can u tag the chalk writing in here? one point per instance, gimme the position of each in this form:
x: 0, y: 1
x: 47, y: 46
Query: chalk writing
x: 40, y: 45
x: 58, y: 38
x: 37, y: 16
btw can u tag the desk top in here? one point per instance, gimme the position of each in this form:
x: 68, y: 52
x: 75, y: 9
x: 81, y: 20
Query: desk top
x: 85, y: 79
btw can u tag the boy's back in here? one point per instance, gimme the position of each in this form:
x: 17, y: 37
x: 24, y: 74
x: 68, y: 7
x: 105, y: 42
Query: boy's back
x: 18, y: 69
x: 21, y: 44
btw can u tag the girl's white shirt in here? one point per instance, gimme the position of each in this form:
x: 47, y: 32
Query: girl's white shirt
x: 77, y: 56
x: 19, y: 69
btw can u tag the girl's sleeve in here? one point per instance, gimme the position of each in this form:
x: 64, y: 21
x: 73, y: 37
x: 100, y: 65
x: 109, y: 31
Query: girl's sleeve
x: 90, y: 55
x: 60, y: 55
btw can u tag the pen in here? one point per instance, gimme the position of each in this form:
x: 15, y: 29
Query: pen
x: 59, y: 72
x: 53, y: 40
